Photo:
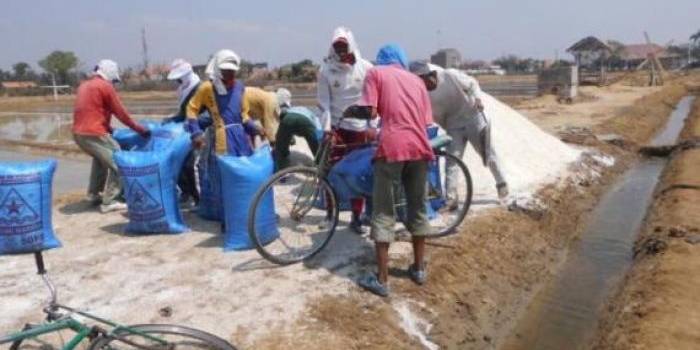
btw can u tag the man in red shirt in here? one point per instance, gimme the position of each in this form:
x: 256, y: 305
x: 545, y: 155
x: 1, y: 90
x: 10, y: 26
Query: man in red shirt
x: 402, y: 156
x: 95, y: 102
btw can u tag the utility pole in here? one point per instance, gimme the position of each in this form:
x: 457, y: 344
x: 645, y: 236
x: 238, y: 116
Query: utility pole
x: 144, y: 46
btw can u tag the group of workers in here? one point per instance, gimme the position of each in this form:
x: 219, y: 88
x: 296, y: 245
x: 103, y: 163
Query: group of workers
x: 224, y: 117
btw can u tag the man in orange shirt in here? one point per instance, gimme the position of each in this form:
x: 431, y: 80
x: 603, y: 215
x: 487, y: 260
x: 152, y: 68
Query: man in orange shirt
x: 95, y: 102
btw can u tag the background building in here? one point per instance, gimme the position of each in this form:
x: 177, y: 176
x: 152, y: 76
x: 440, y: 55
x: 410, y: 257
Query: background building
x: 447, y: 58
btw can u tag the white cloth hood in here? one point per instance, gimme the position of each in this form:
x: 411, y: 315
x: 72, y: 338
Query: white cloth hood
x: 340, y: 85
x: 108, y: 70
x: 223, y: 59
x: 332, y: 60
x: 182, y: 70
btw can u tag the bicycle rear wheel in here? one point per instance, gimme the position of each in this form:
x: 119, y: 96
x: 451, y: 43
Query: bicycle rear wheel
x: 450, y: 203
x: 164, y: 336
x: 307, y: 215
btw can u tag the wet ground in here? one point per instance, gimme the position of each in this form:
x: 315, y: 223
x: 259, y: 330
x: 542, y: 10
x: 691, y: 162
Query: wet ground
x: 71, y: 175
x: 565, y: 314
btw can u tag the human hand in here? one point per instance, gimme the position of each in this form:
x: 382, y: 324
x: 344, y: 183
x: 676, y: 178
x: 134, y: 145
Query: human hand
x: 198, y: 142
x: 479, y: 105
x: 145, y: 134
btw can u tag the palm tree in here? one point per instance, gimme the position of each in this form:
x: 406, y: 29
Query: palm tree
x: 695, y: 37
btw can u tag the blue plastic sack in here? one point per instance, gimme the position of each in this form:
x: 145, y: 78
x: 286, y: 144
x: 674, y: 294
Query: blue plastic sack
x: 352, y: 176
x: 240, y: 178
x: 129, y: 139
x: 25, y: 207
x: 149, y: 175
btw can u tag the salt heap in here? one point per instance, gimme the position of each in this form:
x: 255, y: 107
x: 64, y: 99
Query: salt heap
x: 529, y: 157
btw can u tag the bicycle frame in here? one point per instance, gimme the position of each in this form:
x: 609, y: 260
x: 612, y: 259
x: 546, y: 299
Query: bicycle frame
x: 82, y: 332
x: 57, y: 322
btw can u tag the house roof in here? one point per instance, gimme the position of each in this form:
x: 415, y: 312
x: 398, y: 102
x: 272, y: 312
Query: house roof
x: 589, y: 43
x: 641, y: 51
x: 18, y: 84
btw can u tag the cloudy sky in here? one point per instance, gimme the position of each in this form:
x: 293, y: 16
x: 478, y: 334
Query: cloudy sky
x: 283, y: 31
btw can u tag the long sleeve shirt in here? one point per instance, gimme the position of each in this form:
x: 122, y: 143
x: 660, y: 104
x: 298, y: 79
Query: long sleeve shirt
x: 337, y: 90
x: 454, y: 99
x: 263, y: 106
x: 95, y: 103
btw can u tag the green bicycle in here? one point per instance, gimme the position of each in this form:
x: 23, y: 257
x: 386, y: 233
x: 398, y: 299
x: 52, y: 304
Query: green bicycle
x: 112, y: 337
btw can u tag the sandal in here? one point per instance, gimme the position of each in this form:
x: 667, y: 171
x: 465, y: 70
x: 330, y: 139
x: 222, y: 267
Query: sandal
x: 371, y: 283
x: 417, y: 276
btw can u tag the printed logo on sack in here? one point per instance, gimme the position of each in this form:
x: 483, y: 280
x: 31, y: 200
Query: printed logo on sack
x: 20, y: 204
x: 143, y: 198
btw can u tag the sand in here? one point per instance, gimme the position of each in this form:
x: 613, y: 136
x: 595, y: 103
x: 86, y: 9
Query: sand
x: 238, y: 295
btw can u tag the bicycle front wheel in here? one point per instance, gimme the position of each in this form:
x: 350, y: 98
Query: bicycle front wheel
x: 159, y: 336
x: 307, y: 215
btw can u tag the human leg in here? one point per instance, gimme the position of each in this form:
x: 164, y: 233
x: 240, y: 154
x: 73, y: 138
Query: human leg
x: 476, y: 138
x: 101, y: 148
x: 453, y: 172
x: 383, y: 220
x: 284, y: 136
x: 414, y: 178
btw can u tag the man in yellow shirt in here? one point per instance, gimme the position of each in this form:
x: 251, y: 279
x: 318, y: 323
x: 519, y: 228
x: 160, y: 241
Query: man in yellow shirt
x: 264, y: 107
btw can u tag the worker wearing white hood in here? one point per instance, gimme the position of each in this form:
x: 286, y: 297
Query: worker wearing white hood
x: 457, y: 107
x: 188, y: 82
x: 340, y: 82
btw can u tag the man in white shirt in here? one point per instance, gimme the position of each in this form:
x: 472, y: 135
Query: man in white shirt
x: 340, y: 82
x: 457, y: 107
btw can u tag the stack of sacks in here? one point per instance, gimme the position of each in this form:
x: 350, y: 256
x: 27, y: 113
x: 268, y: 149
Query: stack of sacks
x: 149, y: 174
x: 25, y: 207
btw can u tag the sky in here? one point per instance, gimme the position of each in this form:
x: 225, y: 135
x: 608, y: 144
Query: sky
x: 280, y: 32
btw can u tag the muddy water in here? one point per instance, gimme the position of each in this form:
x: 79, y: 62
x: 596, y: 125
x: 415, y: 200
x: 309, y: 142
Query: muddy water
x: 564, y: 314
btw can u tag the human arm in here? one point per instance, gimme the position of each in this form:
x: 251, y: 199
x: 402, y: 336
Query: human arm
x: 470, y: 88
x: 194, y: 106
x: 370, y: 93
x: 117, y: 108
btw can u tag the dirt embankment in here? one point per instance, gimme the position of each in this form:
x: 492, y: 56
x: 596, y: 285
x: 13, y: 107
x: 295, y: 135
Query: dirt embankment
x: 658, y: 306
x: 481, y: 280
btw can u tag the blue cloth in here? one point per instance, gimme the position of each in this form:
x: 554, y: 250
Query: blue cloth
x: 237, y: 141
x: 392, y: 54
x: 25, y: 207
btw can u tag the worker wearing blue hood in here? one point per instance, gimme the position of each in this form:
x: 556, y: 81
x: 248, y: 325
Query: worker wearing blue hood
x: 392, y: 54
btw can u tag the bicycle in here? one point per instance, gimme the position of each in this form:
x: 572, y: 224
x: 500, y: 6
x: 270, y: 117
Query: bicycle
x: 119, y: 337
x: 308, y: 212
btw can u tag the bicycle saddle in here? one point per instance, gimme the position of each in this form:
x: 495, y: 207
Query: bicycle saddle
x: 440, y: 141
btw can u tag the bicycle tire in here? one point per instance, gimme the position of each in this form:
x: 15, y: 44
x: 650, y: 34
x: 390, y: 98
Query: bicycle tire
x: 452, y: 228
x: 264, y: 248
x: 198, y: 339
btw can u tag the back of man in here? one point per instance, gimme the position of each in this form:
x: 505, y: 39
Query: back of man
x: 453, y: 100
x: 263, y: 107
x: 92, y: 112
x: 404, y: 106
x: 401, y: 160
